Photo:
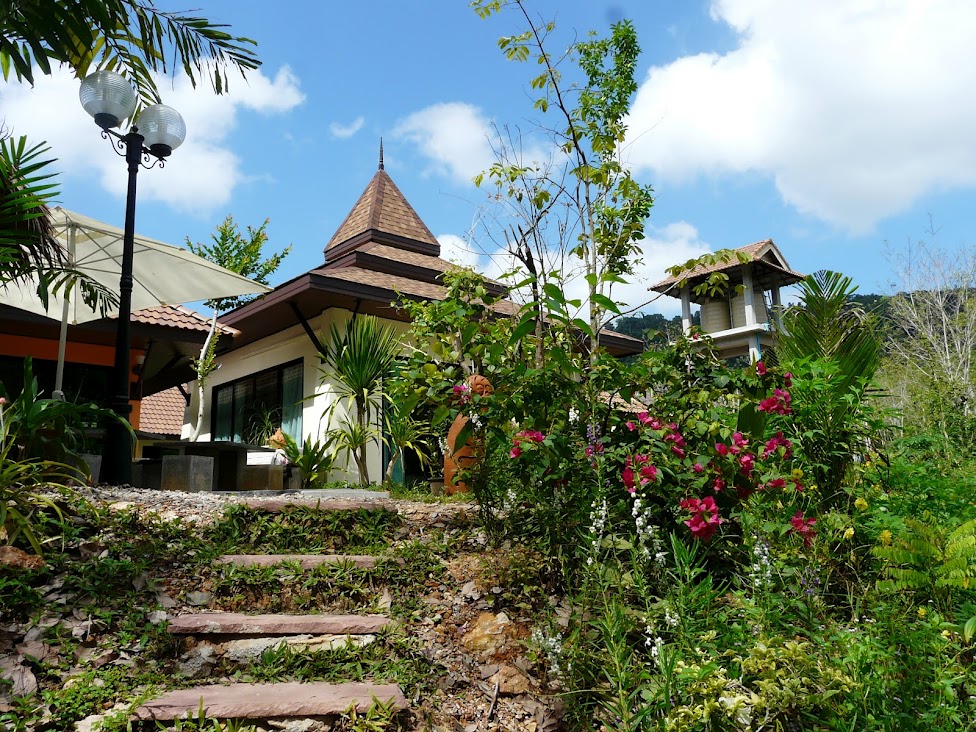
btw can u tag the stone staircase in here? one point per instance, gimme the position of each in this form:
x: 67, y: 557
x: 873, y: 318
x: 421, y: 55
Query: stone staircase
x: 244, y: 637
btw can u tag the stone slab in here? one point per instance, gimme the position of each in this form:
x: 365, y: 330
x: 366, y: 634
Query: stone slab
x: 280, y: 503
x: 307, y: 561
x: 241, y: 624
x: 249, y: 650
x: 189, y: 473
x: 268, y: 701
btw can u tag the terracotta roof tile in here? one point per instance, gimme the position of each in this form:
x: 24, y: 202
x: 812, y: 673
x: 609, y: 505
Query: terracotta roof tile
x: 162, y: 413
x: 382, y: 207
x: 177, y: 316
x: 755, y: 252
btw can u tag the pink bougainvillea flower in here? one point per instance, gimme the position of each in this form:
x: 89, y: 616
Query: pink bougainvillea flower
x: 776, y: 483
x: 804, y: 527
x: 679, y: 452
x: 748, y: 464
x: 776, y: 442
x: 631, y: 426
x: 515, y: 452
x: 760, y: 368
x: 778, y: 403
x: 705, y: 519
x: 739, y: 440
x: 643, y: 417
x: 698, y: 467
x: 798, y: 485
x: 627, y: 475
x: 721, y: 448
x: 788, y: 380
x: 718, y: 484
x: 656, y: 424
x: 648, y: 474
x: 530, y: 436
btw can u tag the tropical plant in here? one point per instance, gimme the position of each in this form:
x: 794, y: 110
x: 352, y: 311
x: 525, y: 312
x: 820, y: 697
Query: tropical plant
x: 827, y: 325
x: 242, y: 254
x: 314, y: 458
x: 25, y: 484
x: 50, y: 429
x: 832, y: 348
x: 131, y: 36
x: 930, y: 560
x: 357, y: 361
x: 404, y: 432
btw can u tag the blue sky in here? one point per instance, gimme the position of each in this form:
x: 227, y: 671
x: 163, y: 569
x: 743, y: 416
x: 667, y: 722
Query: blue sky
x: 831, y: 127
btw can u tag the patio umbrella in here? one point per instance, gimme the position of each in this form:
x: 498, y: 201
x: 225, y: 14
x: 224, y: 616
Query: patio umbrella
x: 162, y: 274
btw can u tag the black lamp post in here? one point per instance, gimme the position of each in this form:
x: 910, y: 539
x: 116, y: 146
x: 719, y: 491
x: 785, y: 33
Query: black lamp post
x: 110, y: 99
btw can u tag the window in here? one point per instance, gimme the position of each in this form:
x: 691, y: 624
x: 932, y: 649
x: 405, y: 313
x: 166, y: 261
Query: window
x: 253, y: 408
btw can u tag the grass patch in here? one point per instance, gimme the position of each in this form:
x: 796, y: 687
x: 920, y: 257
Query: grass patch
x: 286, y: 587
x: 302, y: 529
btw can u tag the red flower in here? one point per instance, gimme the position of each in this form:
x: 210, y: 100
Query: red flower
x: 776, y: 483
x: 678, y: 451
x: 776, y: 442
x: 697, y: 467
x: 718, y: 484
x: 628, y: 478
x: 648, y: 474
x: 721, y: 448
x: 804, y: 527
x: 748, y: 463
x: 739, y: 440
x: 788, y: 380
x: 705, y: 519
x: 515, y: 452
x: 760, y: 368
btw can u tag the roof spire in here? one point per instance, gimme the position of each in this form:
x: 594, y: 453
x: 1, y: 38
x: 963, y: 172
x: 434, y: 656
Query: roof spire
x: 381, y: 154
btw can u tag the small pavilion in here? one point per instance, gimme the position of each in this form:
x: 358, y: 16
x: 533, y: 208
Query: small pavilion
x: 743, y: 321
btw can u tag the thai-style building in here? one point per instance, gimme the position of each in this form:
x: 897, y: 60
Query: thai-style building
x: 381, y: 254
x: 744, y: 320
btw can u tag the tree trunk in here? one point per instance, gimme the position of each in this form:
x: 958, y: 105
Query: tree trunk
x: 202, y: 374
x: 362, y: 416
x: 391, y: 466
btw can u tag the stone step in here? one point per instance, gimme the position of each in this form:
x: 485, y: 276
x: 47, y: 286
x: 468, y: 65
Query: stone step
x: 277, y: 505
x: 307, y: 561
x: 241, y: 624
x: 268, y: 701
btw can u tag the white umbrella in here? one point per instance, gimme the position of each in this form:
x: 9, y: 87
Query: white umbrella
x: 162, y: 274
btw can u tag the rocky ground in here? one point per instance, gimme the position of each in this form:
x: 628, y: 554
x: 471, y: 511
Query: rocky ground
x: 485, y: 679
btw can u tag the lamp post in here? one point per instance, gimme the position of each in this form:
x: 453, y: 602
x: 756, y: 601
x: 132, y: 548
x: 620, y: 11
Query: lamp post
x: 110, y: 99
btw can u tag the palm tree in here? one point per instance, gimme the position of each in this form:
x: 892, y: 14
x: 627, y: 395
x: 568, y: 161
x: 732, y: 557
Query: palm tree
x: 357, y: 360
x: 834, y: 350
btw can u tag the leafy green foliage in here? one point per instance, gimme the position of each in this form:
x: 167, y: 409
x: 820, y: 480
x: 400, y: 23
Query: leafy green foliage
x: 314, y: 458
x: 130, y: 36
x: 930, y: 560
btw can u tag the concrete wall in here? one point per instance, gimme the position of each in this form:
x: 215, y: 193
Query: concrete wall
x: 284, y: 347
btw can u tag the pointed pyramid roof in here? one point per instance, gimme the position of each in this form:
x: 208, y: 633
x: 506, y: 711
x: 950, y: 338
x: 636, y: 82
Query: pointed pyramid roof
x: 382, y: 215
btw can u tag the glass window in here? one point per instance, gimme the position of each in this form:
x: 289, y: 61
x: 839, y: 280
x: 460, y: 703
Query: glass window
x: 251, y: 409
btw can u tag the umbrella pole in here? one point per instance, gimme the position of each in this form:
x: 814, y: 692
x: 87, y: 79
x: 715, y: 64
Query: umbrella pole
x: 58, y: 394
x: 62, y: 346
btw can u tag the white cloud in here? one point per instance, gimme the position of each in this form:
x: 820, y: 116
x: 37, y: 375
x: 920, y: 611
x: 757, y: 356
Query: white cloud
x: 343, y: 132
x: 200, y: 176
x: 453, y: 135
x: 854, y: 108
x: 457, y: 250
x: 663, y: 247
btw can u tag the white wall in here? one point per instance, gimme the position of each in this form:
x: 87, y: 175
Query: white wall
x: 283, y: 347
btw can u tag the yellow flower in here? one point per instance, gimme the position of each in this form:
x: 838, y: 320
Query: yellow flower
x: 849, y: 534
x: 922, y: 612
x: 861, y: 504
x: 797, y: 474
x: 885, y: 538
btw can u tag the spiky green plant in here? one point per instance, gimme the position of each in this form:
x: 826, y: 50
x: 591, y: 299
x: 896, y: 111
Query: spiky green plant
x: 357, y: 361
